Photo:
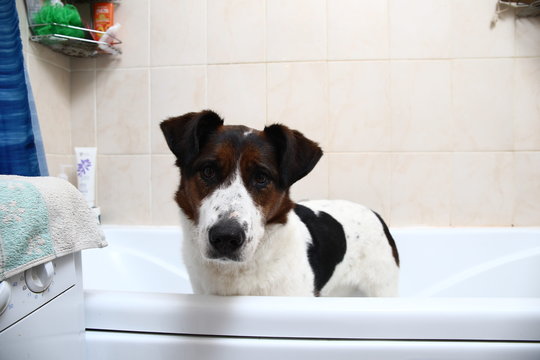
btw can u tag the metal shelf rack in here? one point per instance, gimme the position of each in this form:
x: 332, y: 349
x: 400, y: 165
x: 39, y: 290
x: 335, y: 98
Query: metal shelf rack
x: 75, y: 46
x: 524, y: 8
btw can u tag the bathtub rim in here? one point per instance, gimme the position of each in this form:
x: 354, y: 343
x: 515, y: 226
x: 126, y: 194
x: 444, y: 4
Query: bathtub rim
x: 502, y: 319
x: 470, y: 319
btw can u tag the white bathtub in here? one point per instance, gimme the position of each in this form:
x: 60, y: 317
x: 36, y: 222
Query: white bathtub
x: 465, y: 294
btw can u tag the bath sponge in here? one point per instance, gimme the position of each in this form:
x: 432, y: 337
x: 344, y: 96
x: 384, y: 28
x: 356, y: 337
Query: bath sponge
x: 59, y: 14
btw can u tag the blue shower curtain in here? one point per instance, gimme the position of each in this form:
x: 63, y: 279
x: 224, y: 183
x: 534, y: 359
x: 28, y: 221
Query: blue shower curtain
x: 21, y: 148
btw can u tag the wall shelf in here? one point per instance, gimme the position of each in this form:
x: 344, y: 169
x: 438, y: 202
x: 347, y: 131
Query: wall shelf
x: 77, y: 47
x: 85, y: 46
x: 524, y: 8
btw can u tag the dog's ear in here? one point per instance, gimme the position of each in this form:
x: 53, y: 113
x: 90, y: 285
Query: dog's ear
x: 296, y: 154
x: 187, y: 134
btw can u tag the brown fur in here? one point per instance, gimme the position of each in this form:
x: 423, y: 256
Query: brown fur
x: 274, y: 202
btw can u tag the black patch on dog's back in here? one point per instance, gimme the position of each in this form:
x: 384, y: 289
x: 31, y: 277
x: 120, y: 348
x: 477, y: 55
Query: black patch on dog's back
x: 390, y: 238
x: 328, y: 244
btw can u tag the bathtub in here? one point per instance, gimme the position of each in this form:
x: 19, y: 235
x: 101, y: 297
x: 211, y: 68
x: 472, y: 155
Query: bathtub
x: 465, y: 294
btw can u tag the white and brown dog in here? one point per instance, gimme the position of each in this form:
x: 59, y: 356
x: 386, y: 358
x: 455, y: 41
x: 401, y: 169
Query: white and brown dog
x: 244, y: 236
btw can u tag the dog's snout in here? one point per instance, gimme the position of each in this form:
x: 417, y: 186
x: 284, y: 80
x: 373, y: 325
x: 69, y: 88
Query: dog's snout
x: 226, y: 237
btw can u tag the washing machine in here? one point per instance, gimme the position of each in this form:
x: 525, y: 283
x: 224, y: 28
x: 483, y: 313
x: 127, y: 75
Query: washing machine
x: 42, y: 312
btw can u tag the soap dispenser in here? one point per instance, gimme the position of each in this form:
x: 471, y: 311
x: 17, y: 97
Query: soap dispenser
x: 63, y: 174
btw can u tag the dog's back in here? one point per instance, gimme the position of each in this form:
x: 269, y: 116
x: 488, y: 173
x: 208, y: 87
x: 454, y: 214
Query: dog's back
x: 353, y: 245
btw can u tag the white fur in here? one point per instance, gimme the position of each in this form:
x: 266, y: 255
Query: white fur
x: 278, y: 267
x: 368, y: 267
x: 231, y: 201
x: 277, y: 263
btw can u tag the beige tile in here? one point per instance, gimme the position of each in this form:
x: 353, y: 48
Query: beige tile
x: 482, y: 104
x: 473, y: 34
x: 236, y: 31
x: 421, y: 106
x: 173, y: 92
x: 527, y: 36
x: 421, y: 188
x: 122, y: 112
x: 51, y: 90
x: 527, y: 178
x: 296, y: 30
x: 363, y: 178
x: 238, y: 93
x: 419, y: 29
x: 83, y: 108
x: 359, y: 101
x: 314, y: 185
x: 133, y: 18
x: 527, y: 104
x: 165, y: 179
x: 298, y: 98
x: 177, y: 32
x: 83, y: 64
x: 123, y: 185
x: 482, y: 189
x: 46, y: 54
x: 357, y: 29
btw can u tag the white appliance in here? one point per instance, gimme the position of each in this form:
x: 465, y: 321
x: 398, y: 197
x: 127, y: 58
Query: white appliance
x: 42, y: 312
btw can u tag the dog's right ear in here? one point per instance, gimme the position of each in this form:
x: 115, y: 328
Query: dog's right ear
x: 296, y: 155
x: 186, y: 134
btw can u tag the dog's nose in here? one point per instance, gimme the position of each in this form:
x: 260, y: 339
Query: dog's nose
x: 226, y: 237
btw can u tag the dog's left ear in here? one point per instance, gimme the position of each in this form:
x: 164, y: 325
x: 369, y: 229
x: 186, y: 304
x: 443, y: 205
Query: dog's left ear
x: 187, y: 134
x: 296, y: 154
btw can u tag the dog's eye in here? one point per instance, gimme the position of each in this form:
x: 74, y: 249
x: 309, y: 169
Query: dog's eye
x: 208, y: 173
x: 261, y: 180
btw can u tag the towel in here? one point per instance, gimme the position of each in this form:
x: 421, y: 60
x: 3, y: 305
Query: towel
x: 42, y: 218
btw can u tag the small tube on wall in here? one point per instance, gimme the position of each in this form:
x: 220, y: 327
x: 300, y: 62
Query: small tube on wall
x: 86, y: 173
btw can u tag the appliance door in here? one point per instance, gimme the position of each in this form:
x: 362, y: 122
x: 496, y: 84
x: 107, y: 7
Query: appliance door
x: 53, y: 331
x: 46, y: 325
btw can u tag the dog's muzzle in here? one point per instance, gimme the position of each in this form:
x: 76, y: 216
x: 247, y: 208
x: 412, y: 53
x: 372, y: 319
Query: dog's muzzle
x: 226, y: 238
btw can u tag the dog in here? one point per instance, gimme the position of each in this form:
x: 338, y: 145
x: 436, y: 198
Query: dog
x: 243, y: 235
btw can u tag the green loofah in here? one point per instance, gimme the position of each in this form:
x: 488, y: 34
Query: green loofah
x: 65, y: 15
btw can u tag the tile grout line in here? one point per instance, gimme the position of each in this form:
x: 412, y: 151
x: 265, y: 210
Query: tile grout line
x: 390, y: 104
x: 94, y: 71
x: 514, y: 183
x: 328, y: 120
x: 453, y: 120
x: 206, y: 56
x: 266, y: 62
x: 453, y: 152
x: 149, y: 114
x: 388, y: 59
x: 365, y: 153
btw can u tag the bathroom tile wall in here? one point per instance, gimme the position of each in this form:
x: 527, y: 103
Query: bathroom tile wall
x: 427, y: 112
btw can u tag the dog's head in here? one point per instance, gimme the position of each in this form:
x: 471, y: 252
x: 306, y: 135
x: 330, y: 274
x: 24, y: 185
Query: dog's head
x: 235, y: 180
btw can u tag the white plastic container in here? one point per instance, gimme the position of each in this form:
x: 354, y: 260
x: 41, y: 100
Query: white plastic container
x: 86, y: 173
